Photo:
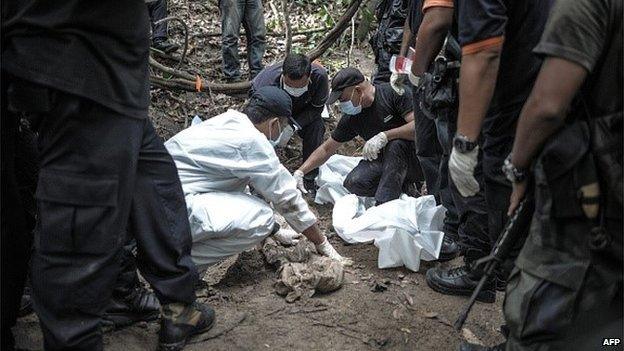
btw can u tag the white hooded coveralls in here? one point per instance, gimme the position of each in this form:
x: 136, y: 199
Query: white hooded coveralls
x: 216, y: 160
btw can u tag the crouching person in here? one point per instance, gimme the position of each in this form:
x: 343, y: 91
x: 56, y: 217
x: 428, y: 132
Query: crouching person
x: 219, y: 158
x: 385, y: 120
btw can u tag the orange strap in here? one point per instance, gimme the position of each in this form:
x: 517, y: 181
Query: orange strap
x: 481, y: 45
x: 198, y: 83
x: 437, y: 3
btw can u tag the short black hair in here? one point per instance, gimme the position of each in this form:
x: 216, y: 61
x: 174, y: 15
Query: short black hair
x: 296, y: 66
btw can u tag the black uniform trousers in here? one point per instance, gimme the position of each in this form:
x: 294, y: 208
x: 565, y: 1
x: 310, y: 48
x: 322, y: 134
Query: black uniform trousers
x: 96, y: 167
x: 466, y: 217
x: 387, y: 176
x: 499, y: 130
x: 15, y: 228
x: 157, y: 11
x: 312, y: 133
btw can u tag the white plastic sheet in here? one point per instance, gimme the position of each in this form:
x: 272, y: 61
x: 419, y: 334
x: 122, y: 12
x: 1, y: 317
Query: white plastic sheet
x: 405, y: 230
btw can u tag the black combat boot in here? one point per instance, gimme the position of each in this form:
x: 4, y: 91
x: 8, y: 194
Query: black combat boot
x: 466, y: 346
x: 138, y: 305
x: 179, y: 322
x: 459, y: 281
x: 164, y: 45
x: 449, y: 250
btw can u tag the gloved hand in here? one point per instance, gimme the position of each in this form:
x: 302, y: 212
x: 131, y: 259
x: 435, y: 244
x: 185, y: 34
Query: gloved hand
x: 397, y: 83
x: 461, y: 166
x: 374, y: 145
x: 298, y: 175
x: 287, y: 237
x: 326, y: 249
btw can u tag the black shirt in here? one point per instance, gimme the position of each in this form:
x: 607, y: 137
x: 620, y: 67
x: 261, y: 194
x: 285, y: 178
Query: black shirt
x: 94, y: 49
x: 589, y: 33
x: 314, y: 98
x: 520, y: 24
x: 387, y: 112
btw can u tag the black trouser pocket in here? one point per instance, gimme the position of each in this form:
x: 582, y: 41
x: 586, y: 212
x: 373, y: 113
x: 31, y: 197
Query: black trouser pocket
x: 77, y: 213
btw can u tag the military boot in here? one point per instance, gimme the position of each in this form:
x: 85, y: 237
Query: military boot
x: 165, y: 45
x: 460, y: 281
x: 180, y: 322
x: 138, y: 305
x: 449, y: 249
x: 466, y: 346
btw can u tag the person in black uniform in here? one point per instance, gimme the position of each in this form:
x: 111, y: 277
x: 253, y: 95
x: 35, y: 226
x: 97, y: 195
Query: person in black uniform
x: 158, y: 11
x: 496, y: 75
x: 385, y: 120
x: 80, y: 76
x: 565, y: 292
x: 308, y: 86
x: 386, y: 41
x: 466, y: 216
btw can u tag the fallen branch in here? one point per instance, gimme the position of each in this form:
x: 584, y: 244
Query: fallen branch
x: 336, y: 32
x: 186, y: 35
x: 287, y: 29
x: 187, y: 82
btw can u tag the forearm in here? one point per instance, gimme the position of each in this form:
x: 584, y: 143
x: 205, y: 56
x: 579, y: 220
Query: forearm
x: 546, y: 108
x: 534, y: 127
x: 318, y: 157
x: 405, y: 131
x: 431, y: 34
x: 476, y: 87
x: 313, y: 233
x: 407, y: 38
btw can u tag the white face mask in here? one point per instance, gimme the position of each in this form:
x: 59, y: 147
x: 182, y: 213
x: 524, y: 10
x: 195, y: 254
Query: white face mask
x: 294, y: 92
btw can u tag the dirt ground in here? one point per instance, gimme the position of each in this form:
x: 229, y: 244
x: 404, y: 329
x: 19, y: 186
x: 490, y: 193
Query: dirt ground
x: 391, y: 309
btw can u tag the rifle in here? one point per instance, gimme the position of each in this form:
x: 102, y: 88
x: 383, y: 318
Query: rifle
x: 506, y: 241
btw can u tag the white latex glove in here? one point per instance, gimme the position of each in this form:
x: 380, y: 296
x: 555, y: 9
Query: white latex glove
x: 374, y: 145
x: 461, y: 166
x: 298, y: 175
x: 287, y: 237
x: 397, y: 83
x: 326, y: 249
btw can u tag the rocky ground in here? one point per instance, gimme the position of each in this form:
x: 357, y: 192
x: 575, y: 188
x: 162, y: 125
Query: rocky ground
x: 390, y: 309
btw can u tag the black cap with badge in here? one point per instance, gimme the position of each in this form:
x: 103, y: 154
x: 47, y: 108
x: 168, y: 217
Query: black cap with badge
x: 346, y: 77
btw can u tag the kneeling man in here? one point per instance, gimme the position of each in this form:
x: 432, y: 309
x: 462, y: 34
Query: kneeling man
x: 218, y: 158
x: 385, y: 120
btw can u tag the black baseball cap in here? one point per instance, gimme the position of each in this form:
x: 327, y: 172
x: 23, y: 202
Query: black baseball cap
x: 274, y: 99
x: 346, y: 77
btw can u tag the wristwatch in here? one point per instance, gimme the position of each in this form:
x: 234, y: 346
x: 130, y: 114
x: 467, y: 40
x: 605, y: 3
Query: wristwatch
x: 463, y: 144
x: 513, y: 174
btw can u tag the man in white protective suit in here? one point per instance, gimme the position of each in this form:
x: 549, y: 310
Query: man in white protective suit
x: 218, y: 158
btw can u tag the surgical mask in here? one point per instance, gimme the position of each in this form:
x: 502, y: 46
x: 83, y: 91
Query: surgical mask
x: 348, y: 107
x: 284, y: 136
x: 294, y: 92
x: 274, y: 142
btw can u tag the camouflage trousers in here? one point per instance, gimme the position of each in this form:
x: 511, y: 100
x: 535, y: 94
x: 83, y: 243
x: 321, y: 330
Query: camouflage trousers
x: 564, y: 294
